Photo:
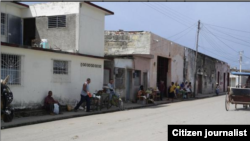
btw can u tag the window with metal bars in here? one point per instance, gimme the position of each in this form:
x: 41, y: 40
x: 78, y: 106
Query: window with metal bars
x: 3, y: 23
x: 60, y: 67
x: 57, y: 21
x: 11, y: 65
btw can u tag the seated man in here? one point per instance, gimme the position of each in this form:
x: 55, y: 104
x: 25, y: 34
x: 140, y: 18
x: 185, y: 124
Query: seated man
x: 49, y: 104
x: 141, y: 93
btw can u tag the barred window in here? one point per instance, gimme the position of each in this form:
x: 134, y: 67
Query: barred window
x: 3, y: 23
x: 119, y: 77
x: 11, y: 65
x: 60, y: 67
x: 56, y: 21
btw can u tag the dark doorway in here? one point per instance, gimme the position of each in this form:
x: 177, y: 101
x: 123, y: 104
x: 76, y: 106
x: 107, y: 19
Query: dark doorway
x: 228, y: 79
x: 200, y: 84
x: 128, y: 84
x: 218, y: 78
x: 162, y: 69
x: 224, y: 82
x: 14, y: 29
x: 145, y: 80
x: 29, y: 31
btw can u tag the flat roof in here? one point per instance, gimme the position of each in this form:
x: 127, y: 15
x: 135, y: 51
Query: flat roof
x: 241, y: 73
x: 49, y: 50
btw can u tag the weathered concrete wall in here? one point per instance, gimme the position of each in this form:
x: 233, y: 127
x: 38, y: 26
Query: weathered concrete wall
x: 121, y: 42
x: 223, y: 68
x: 37, y: 77
x: 135, y: 63
x: 125, y: 64
x: 174, y: 52
x: 189, y: 66
x: 206, y: 68
x: 63, y: 37
x: 141, y: 64
x: 51, y: 9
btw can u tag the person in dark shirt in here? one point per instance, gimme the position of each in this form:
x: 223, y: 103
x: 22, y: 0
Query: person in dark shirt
x: 49, y: 103
x: 182, y: 85
x: 162, y: 89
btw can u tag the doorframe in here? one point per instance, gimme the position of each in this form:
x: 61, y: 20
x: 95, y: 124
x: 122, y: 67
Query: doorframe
x: 129, y: 83
x: 200, y: 84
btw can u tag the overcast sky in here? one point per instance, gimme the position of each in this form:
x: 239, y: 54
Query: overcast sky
x: 225, y: 26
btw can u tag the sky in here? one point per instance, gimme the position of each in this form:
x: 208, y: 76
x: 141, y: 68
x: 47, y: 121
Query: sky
x: 224, y: 26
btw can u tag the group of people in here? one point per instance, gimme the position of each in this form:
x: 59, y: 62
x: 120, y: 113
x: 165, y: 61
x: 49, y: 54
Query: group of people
x: 185, y: 89
x: 49, y: 102
x: 85, y: 94
x: 175, y: 89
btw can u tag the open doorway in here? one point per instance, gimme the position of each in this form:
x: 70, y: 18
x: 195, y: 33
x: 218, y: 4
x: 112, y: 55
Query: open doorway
x: 224, y: 82
x: 145, y: 80
x: 128, y: 84
x: 29, y: 30
x: 200, y: 84
x: 162, y: 69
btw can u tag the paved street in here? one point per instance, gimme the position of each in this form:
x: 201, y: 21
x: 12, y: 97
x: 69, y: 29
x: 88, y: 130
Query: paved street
x: 147, y: 124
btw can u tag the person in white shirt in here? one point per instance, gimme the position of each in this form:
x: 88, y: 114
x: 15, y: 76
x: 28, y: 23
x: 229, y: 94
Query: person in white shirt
x: 111, y: 90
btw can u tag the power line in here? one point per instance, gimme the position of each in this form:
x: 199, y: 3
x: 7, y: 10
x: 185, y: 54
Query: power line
x: 230, y: 35
x: 182, y: 31
x: 226, y: 44
x: 182, y: 35
x: 211, y: 42
x: 212, y: 46
x: 216, y: 53
x: 175, y: 14
x: 182, y: 14
x: 165, y: 14
x: 232, y: 41
x: 227, y: 28
x: 220, y: 40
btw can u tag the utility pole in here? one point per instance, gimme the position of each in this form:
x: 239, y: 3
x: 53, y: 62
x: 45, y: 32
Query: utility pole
x: 241, y: 52
x: 195, y: 75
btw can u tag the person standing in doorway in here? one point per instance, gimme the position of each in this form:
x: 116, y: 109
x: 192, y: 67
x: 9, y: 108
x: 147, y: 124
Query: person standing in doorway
x: 85, y: 95
x: 162, y: 89
x: 217, y: 89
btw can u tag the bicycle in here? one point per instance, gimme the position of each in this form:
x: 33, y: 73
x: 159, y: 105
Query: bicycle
x: 114, y: 101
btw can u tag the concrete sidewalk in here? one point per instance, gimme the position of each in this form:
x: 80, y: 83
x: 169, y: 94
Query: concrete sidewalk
x: 47, y: 118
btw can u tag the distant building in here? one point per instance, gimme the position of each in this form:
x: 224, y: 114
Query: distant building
x: 235, y: 80
x: 144, y: 58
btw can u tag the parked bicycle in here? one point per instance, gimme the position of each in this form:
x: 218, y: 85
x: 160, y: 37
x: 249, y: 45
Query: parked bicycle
x: 114, y: 101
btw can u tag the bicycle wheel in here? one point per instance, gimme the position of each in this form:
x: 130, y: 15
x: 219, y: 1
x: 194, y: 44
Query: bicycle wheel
x: 107, y: 102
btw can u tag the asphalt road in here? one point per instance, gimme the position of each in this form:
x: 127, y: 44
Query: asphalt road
x: 145, y: 124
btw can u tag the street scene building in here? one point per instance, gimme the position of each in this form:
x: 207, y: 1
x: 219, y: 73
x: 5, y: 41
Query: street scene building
x: 144, y: 58
x: 124, y: 71
x: 51, y: 46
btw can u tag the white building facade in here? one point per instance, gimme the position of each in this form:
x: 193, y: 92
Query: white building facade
x: 74, y: 50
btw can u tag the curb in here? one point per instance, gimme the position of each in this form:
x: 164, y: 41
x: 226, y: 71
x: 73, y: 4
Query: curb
x: 99, y: 112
